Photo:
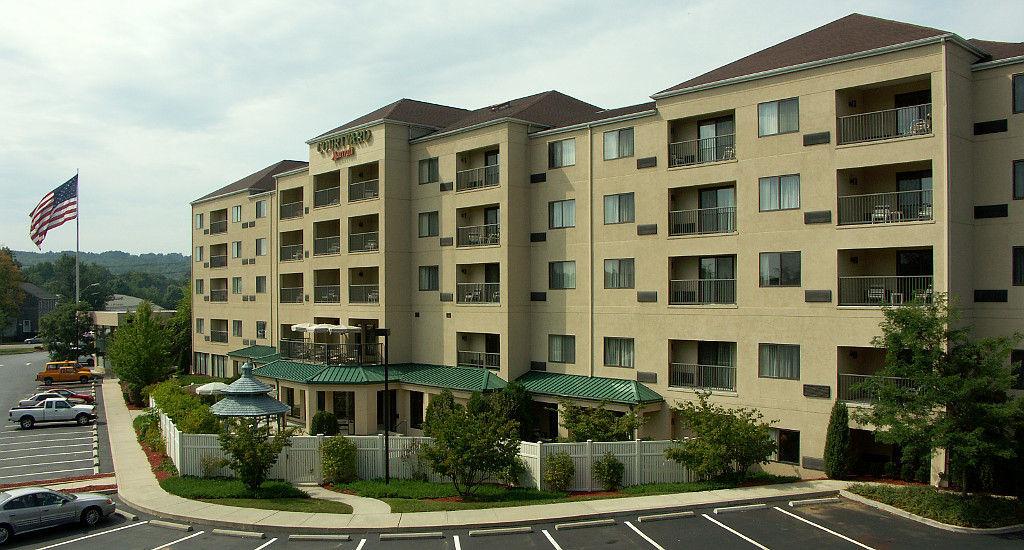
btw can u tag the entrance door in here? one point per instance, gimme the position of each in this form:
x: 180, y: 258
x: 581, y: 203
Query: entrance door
x: 914, y: 263
x: 345, y: 411
x: 717, y: 210
x: 393, y: 405
x: 714, y: 145
x: 915, y: 198
x: 717, y: 279
x: 908, y: 113
x: 491, y: 215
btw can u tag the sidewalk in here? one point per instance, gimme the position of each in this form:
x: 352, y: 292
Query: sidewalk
x: 138, y: 487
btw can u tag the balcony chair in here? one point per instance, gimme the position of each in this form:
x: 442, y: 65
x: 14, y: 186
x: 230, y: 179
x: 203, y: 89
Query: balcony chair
x: 876, y: 294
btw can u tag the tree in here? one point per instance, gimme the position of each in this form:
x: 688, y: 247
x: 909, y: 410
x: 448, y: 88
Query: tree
x: 516, y: 404
x: 179, y: 331
x: 11, y: 295
x: 837, y: 443
x: 469, y: 446
x: 59, y: 278
x: 726, y: 442
x: 955, y: 395
x: 62, y: 329
x: 138, y: 351
x: 252, y: 450
x: 439, y: 407
x: 598, y: 423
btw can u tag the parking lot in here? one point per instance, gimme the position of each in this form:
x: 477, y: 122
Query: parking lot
x: 842, y: 525
x: 47, y: 451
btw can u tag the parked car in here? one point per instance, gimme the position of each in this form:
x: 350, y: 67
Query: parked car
x: 63, y: 394
x: 86, y: 361
x: 34, y: 340
x: 52, y: 410
x: 64, y: 371
x: 29, y: 509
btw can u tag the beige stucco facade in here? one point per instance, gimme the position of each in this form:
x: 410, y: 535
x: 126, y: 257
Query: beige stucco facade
x: 860, y: 239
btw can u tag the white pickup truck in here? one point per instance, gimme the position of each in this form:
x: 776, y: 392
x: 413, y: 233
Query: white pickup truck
x: 52, y: 410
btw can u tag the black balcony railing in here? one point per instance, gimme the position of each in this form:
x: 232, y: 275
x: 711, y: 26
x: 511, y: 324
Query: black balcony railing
x: 327, y: 245
x: 475, y: 178
x: 892, y: 207
x: 702, y: 291
x: 291, y: 295
x: 363, y: 242
x: 891, y: 290
x: 363, y: 294
x: 291, y: 252
x: 705, y: 377
x: 703, y: 150
x: 888, y: 124
x: 477, y: 235
x: 478, y: 293
x: 363, y: 190
x: 327, y: 294
x: 479, y: 359
x: 291, y: 210
x: 702, y: 221
x: 220, y: 336
x: 219, y: 261
x: 332, y: 354
x: 219, y: 295
x: 851, y: 390
x: 327, y: 197
x: 219, y: 226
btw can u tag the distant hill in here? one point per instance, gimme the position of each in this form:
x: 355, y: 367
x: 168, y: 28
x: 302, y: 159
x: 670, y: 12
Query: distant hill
x: 173, y: 265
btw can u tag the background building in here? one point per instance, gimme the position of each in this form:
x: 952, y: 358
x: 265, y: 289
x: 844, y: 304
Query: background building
x: 38, y: 303
x: 737, y: 235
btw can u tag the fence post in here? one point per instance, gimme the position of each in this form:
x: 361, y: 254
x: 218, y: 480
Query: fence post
x: 590, y: 465
x: 637, y: 465
x: 380, y: 449
x: 540, y: 465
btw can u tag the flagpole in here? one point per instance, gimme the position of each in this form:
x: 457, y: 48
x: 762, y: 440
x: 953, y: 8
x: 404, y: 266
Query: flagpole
x: 78, y: 216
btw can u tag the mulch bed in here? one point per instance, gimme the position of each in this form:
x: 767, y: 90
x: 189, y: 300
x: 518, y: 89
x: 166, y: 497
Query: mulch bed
x: 90, y: 489
x: 53, y: 481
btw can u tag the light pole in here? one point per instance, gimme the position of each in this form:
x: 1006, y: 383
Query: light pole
x: 387, y: 408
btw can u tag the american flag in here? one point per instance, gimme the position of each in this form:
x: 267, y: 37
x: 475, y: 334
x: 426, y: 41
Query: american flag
x: 57, y: 207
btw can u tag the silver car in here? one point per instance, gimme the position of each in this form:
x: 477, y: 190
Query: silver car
x: 33, y: 508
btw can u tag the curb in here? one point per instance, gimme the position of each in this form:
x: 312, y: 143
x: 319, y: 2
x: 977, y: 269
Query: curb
x: 582, y: 524
x: 412, y: 536
x: 126, y: 515
x: 239, y: 534
x: 340, y: 538
x: 659, y: 517
x: 810, y: 501
x: 170, y: 525
x: 931, y: 522
x: 500, y: 531
x: 741, y: 508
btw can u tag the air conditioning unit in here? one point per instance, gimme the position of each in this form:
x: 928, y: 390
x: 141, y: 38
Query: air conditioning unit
x: 206, y: 338
x: 206, y: 298
x: 206, y: 264
x: 206, y: 232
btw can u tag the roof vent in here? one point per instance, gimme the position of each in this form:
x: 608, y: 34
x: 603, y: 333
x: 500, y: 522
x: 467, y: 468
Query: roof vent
x: 501, y: 106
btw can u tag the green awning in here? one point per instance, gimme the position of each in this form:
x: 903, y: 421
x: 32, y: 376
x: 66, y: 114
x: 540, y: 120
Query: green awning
x: 292, y: 371
x: 261, y: 354
x: 454, y: 378
x: 593, y: 388
x: 435, y: 376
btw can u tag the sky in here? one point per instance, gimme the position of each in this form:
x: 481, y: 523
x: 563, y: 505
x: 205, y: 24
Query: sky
x: 159, y: 103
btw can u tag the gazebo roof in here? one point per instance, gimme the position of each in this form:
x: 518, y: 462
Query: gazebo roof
x: 248, y: 397
x: 246, y: 384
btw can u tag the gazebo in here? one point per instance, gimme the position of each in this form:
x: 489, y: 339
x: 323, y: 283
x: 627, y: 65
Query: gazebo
x: 249, y: 398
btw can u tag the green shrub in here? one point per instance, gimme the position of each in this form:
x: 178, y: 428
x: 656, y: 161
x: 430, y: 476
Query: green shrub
x: 559, y: 471
x: 837, y: 442
x: 210, y: 464
x: 199, y: 421
x: 188, y: 412
x: 325, y: 423
x: 515, y: 472
x: 338, y: 455
x: 609, y: 471
x: 974, y: 510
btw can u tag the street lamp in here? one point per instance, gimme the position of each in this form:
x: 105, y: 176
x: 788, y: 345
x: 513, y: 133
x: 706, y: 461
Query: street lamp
x: 387, y: 407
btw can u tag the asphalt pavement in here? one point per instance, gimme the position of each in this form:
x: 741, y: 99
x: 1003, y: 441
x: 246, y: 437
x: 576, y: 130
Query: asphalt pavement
x: 842, y: 525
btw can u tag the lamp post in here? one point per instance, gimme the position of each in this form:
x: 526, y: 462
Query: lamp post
x: 387, y: 408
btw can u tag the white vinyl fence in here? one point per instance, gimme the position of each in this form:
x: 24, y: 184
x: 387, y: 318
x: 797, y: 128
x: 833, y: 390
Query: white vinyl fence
x: 644, y: 461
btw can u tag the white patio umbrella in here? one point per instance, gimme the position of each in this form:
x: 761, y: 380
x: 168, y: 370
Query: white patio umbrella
x: 212, y: 388
x: 324, y: 328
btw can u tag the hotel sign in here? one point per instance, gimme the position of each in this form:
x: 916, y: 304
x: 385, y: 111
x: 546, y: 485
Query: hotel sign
x: 344, y: 145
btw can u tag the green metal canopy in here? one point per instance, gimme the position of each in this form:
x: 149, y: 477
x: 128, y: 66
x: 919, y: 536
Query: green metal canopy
x: 418, y: 374
x: 260, y: 354
x: 593, y: 388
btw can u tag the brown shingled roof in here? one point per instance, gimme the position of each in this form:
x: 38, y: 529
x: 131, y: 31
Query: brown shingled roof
x: 407, y: 110
x: 551, y: 108
x: 610, y: 113
x: 259, y: 181
x: 852, y: 34
x: 999, y: 50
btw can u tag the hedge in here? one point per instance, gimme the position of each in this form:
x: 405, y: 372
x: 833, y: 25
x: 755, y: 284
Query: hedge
x: 187, y: 411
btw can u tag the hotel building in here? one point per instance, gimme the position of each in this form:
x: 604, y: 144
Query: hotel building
x: 738, y: 234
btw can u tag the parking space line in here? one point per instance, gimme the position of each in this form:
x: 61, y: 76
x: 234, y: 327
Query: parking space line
x: 823, y: 528
x: 47, y: 472
x: 58, y: 446
x: 642, y: 534
x: 44, y: 464
x: 173, y: 542
x: 735, y: 532
x: 458, y: 545
x: 45, y: 434
x: 266, y: 544
x: 44, y: 456
x: 550, y: 539
x: 361, y: 543
x: 93, y: 535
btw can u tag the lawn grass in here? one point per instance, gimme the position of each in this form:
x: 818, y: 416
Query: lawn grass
x: 947, y: 506
x: 308, y: 505
x: 420, y: 496
x: 16, y: 351
x: 199, y: 488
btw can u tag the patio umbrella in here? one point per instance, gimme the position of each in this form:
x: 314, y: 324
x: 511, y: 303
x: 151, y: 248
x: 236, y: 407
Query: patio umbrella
x: 212, y: 388
x: 302, y: 327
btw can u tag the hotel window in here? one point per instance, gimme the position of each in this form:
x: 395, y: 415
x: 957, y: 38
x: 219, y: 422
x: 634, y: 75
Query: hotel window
x: 562, y: 214
x: 561, y: 348
x: 780, y: 269
x: 428, y: 224
x: 199, y: 221
x: 261, y: 329
x: 618, y: 144
x: 618, y: 273
x: 199, y: 253
x: 428, y: 171
x: 778, y: 117
x: 618, y: 208
x: 236, y: 213
x: 416, y: 410
x: 1018, y: 179
x: 218, y: 366
x: 1018, y: 93
x: 788, y: 445
x: 780, y: 192
x: 199, y: 286
x: 562, y: 153
x: 200, y: 360
x: 561, y: 275
x: 236, y: 285
x: 1018, y: 266
x: 779, y: 361
x: 261, y: 284
x: 200, y: 325
x: 236, y: 249
x: 261, y: 246
x: 236, y: 328
x: 261, y: 209
x: 618, y: 352
x: 429, y: 278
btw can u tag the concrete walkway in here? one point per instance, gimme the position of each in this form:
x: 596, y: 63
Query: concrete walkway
x: 360, y: 505
x: 138, y: 487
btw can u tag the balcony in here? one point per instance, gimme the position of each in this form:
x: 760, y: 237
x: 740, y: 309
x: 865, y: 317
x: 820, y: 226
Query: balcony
x: 702, y: 291
x: 291, y: 210
x: 327, y: 294
x: 219, y: 295
x: 850, y: 387
x: 323, y: 246
x: 291, y: 295
x: 892, y: 207
x: 702, y: 221
x: 220, y: 336
x: 291, y: 252
x: 331, y: 353
x: 363, y: 242
x: 329, y: 196
x: 477, y: 235
x: 702, y: 150
x: 363, y: 190
x: 479, y: 359
x: 901, y: 122
x: 704, y: 377
x: 219, y: 261
x: 477, y: 178
x: 884, y: 290
x: 364, y: 294
x: 478, y: 293
x: 217, y: 227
